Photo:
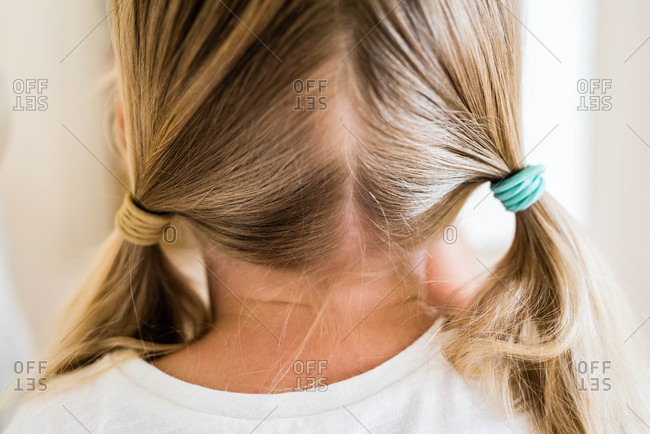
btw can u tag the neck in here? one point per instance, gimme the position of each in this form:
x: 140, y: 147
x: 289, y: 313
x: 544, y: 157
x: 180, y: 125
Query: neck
x: 332, y: 298
x: 350, y: 317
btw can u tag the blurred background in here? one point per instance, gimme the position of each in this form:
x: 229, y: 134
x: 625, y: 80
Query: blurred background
x: 585, y: 93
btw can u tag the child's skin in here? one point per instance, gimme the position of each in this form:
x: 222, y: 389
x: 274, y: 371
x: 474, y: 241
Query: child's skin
x: 242, y: 353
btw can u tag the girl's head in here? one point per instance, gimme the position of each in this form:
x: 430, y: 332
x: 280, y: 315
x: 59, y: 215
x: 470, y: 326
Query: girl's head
x: 296, y: 135
x: 281, y: 131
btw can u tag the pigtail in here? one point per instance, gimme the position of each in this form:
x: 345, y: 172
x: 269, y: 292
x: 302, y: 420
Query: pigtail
x: 545, y: 331
x: 133, y: 300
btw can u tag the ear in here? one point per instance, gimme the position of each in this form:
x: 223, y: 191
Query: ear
x: 119, y: 125
x: 449, y: 272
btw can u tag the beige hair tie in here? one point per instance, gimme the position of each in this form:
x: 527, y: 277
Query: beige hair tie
x: 139, y: 226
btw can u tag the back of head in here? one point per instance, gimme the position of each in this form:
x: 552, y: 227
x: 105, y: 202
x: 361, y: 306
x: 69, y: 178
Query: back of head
x: 422, y: 100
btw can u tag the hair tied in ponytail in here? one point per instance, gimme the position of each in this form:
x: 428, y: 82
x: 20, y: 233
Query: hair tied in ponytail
x: 138, y: 225
x: 519, y: 191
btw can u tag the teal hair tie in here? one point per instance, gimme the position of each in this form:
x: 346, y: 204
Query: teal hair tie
x: 521, y: 190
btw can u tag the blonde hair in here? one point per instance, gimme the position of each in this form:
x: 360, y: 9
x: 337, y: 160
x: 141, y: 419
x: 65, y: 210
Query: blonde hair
x: 430, y: 92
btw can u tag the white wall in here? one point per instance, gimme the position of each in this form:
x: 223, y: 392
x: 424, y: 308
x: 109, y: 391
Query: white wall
x: 55, y: 195
x: 621, y: 161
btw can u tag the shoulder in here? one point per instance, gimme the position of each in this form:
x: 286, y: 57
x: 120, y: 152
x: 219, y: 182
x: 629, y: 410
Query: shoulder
x: 74, y: 401
x: 459, y: 405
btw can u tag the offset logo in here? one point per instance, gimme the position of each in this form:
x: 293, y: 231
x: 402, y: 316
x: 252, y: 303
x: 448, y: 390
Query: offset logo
x: 170, y: 234
x: 593, y: 95
x: 30, y: 95
x: 594, y: 376
x: 29, y: 376
x: 450, y: 234
x: 309, y: 375
x: 310, y: 94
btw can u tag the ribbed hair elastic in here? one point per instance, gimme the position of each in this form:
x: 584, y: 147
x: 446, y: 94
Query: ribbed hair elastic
x: 519, y: 191
x: 138, y: 225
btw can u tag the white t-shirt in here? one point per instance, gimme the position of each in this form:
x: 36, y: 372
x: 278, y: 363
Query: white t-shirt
x: 417, y: 391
